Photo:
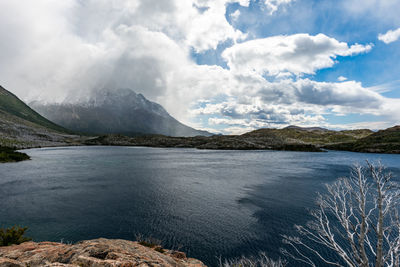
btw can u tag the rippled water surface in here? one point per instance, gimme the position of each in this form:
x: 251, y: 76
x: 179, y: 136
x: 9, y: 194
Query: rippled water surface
x: 208, y: 203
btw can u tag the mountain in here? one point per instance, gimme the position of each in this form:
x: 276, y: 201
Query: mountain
x: 383, y: 141
x: 116, y: 112
x: 22, y: 127
x: 306, y: 128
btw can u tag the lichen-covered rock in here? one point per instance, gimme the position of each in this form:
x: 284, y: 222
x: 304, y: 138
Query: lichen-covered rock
x: 98, y: 252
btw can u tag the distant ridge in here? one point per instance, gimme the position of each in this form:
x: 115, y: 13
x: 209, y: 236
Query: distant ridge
x: 306, y: 128
x: 116, y: 112
x: 292, y: 138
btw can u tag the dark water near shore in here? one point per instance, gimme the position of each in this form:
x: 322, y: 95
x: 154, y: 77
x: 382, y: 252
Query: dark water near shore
x: 207, y: 203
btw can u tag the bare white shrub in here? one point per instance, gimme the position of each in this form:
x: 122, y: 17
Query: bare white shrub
x: 261, y: 261
x: 357, y: 220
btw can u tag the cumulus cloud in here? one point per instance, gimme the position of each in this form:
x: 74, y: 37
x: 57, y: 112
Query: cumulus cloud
x: 297, y: 54
x: 206, y: 30
x: 390, y: 36
x: 300, y: 102
x: 295, y: 97
x: 349, y: 93
x: 259, y: 115
x: 342, y: 79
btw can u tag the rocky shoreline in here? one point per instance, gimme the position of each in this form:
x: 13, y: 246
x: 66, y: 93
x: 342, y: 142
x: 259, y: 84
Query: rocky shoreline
x: 98, y: 252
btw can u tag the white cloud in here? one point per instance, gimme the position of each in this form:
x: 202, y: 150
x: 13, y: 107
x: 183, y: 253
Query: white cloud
x: 342, y: 79
x: 273, y: 5
x: 356, y: 49
x: 245, y: 3
x: 235, y: 15
x: 348, y: 93
x: 384, y: 10
x: 372, y: 125
x: 296, y: 97
x: 205, y: 30
x: 297, y: 54
x: 385, y: 87
x: 237, y: 130
x: 301, y: 102
x: 390, y: 36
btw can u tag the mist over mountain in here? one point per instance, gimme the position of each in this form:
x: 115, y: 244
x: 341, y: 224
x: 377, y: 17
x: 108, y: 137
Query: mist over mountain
x: 119, y: 111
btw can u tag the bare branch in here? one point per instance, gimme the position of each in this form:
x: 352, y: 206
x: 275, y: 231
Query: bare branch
x: 357, y: 219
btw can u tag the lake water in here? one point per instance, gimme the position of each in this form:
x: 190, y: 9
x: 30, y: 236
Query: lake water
x: 207, y: 203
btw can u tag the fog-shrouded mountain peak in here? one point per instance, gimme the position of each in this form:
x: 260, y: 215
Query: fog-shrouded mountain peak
x: 121, y: 111
x: 124, y: 98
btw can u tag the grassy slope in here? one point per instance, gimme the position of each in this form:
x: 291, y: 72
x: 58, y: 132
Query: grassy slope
x: 315, y: 137
x: 383, y: 141
x: 11, y: 104
x: 21, y: 127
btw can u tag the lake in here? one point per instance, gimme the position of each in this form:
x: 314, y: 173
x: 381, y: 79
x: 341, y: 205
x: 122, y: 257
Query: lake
x: 207, y: 203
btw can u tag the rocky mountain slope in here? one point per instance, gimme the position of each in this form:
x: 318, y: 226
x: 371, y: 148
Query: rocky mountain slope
x: 22, y: 127
x: 98, y: 252
x: 116, y: 112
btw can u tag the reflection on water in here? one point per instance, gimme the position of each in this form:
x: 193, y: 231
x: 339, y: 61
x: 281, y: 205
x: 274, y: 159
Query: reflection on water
x: 212, y: 203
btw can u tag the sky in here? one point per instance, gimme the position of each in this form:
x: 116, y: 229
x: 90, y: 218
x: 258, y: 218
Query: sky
x: 227, y: 66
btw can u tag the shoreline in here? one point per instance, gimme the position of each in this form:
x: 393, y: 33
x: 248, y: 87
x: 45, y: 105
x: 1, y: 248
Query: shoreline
x: 202, y: 149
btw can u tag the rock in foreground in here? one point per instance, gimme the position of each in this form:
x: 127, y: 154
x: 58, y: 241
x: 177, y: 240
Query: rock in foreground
x: 98, y: 252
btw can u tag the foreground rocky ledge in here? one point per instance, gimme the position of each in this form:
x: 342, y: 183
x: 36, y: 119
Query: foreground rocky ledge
x: 98, y: 252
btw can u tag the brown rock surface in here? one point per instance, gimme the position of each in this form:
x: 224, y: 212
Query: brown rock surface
x: 98, y: 252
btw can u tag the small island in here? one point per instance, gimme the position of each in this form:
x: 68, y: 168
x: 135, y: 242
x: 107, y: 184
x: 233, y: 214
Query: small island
x: 8, y: 154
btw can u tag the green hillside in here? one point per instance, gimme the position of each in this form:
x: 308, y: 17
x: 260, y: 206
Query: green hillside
x: 383, y: 141
x: 315, y: 136
x: 11, y: 104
